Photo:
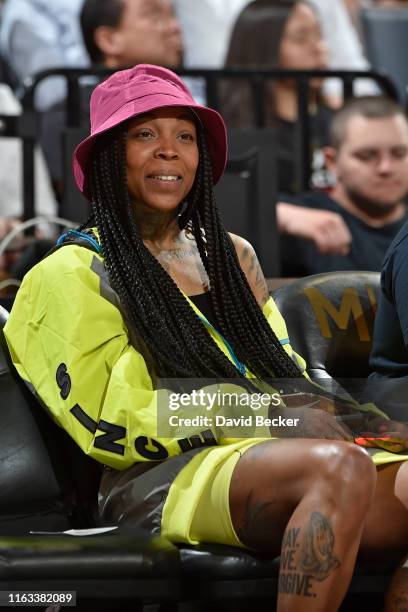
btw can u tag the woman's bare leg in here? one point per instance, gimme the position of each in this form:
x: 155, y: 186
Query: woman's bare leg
x: 385, y: 533
x: 307, y: 499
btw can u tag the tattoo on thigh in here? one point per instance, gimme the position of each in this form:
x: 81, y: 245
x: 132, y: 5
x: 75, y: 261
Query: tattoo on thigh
x: 306, y: 556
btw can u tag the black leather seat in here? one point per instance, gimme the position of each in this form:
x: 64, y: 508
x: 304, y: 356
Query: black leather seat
x: 330, y: 319
x: 217, y: 574
x: 105, y: 572
x: 32, y: 496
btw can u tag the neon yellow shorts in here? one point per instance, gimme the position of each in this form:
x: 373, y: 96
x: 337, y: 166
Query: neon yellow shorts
x: 197, y: 507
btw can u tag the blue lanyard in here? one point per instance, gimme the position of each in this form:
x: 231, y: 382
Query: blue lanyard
x: 238, y: 364
x: 83, y: 236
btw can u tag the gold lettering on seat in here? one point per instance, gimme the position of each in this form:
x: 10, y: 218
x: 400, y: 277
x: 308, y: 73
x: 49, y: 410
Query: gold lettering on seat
x: 350, y: 306
x: 372, y: 298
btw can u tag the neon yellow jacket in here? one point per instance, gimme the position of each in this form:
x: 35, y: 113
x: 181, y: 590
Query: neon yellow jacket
x: 68, y: 339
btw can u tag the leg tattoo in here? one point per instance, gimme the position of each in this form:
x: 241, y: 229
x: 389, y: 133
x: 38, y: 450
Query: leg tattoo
x: 317, y: 551
x: 307, y: 558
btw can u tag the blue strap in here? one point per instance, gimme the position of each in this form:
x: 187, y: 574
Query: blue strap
x: 83, y: 236
x: 238, y: 364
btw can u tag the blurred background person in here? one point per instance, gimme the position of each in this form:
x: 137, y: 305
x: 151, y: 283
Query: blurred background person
x: 280, y: 34
x: 122, y: 33
x: 369, y: 158
x: 37, y: 35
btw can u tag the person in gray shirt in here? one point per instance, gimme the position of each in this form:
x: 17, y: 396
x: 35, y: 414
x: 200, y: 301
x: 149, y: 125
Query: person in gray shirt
x: 36, y: 35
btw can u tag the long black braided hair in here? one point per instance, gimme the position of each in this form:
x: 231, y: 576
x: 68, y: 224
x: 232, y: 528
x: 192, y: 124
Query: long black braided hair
x: 173, y: 336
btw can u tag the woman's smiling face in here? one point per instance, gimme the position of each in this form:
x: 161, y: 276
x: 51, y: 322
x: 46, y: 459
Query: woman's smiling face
x: 162, y: 158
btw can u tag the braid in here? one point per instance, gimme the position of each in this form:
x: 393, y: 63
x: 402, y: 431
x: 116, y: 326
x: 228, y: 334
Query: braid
x: 173, y: 338
x: 238, y: 314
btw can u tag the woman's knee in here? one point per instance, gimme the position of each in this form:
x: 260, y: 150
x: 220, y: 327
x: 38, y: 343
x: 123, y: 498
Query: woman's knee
x: 290, y: 470
x: 344, y: 471
x: 273, y: 479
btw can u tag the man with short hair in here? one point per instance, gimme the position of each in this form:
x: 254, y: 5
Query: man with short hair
x: 122, y: 33
x: 369, y: 160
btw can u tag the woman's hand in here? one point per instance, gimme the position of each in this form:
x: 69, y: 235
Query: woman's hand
x: 396, y: 431
x: 379, y: 425
x: 312, y: 423
x: 384, y: 433
x: 400, y: 429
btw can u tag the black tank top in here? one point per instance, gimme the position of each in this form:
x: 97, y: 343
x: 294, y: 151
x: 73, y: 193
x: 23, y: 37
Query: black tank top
x: 203, y: 303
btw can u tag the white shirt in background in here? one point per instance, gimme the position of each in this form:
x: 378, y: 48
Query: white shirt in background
x: 207, y: 27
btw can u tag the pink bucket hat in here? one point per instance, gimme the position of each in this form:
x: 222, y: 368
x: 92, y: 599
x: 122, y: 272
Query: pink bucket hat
x: 128, y: 93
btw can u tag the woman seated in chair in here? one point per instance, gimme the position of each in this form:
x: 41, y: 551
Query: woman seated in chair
x: 153, y: 287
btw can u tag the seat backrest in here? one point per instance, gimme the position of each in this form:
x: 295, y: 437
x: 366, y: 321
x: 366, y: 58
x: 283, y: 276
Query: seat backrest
x: 330, y: 319
x: 246, y: 194
x: 386, y: 39
x: 31, y: 494
x: 37, y: 460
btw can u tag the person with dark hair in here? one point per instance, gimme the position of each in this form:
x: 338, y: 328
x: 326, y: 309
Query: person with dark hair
x: 279, y: 34
x: 369, y: 158
x: 152, y: 293
x: 122, y: 33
